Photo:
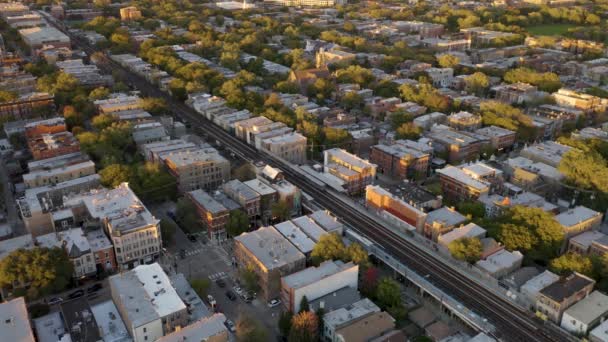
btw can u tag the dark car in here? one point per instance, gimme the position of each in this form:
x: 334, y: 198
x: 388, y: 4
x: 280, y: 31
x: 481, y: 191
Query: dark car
x: 192, y: 238
x: 231, y: 295
x: 76, y: 294
x: 220, y: 283
x: 94, y: 288
x: 182, y: 254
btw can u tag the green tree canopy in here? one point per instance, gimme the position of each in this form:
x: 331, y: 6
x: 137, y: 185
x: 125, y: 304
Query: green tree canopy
x: 572, y: 262
x: 546, y: 81
x: 477, y: 83
x: 448, y: 61
x: 238, y: 223
x: 249, y: 329
x: 304, y: 327
x: 466, y: 249
x: 43, y: 270
x: 280, y: 211
x: 408, y: 131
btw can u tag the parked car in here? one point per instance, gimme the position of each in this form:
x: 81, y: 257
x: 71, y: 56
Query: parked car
x: 230, y: 325
x: 247, y: 297
x: 95, y: 288
x: 76, y: 294
x: 55, y: 300
x: 238, y: 290
x: 192, y: 237
x: 274, y: 302
x: 221, y: 283
x: 182, y: 254
x: 231, y: 295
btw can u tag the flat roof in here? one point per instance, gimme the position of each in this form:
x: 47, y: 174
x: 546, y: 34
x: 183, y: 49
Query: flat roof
x: 576, y: 215
x: 462, y: 177
x: 445, y: 215
x: 270, y: 247
x: 590, y: 308
x: 296, y: 236
x: 50, y: 328
x: 110, y: 323
x: 207, y: 201
x: 241, y: 189
x: 76, y: 312
x: 146, y: 294
x: 539, y: 282
x: 566, y: 286
x: 314, y: 274
x: 348, y: 158
x: 59, y: 170
x: 201, y: 330
x: 260, y: 187
x: 500, y: 260
x: 10, y: 245
x: 309, y: 227
x: 600, y: 333
x: 195, y: 304
x: 189, y: 157
x: 14, y: 321
x: 470, y: 230
x: 326, y: 220
x: 350, y: 313
x: 98, y: 240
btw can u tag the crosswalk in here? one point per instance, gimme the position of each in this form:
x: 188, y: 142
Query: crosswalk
x: 194, y: 252
x: 216, y: 276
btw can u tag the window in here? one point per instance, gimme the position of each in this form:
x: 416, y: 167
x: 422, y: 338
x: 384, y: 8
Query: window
x: 145, y: 329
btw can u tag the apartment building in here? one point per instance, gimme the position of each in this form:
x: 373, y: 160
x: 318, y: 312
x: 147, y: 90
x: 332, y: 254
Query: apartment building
x: 586, y: 314
x: 456, y: 146
x: 400, y: 161
x: 203, y: 168
x: 130, y: 13
x: 37, y: 128
x: 470, y: 230
x: 501, y: 263
x: 329, y: 57
x: 394, y: 208
x: 556, y: 298
x: 441, y: 77
x: 270, y: 255
x: 547, y: 152
x: 290, y: 147
x: 43, y: 209
x: 28, y: 106
x: 464, y: 121
x: 585, y: 102
x: 147, y: 303
x: 103, y: 251
x: 15, y: 322
x: 366, y: 328
x: 87, y: 74
x: 213, y: 214
x: 339, y: 318
x: 268, y: 197
x: 578, y: 219
x: 315, y: 282
x: 247, y: 198
x: 53, y: 145
x: 354, y: 171
x: 133, y: 230
x: 208, y: 329
x: 155, y: 150
x: 458, y: 184
x: 37, y: 37
x: 77, y: 247
x: 51, y: 176
x: 500, y: 138
x: 118, y: 102
x: 442, y: 221
x: 516, y: 93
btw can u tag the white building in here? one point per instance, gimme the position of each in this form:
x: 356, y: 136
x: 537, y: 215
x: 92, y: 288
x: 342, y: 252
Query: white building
x: 206, y: 329
x: 532, y: 287
x: 334, y: 320
x: 147, y: 303
x: 441, y: 77
x: 470, y: 230
x: 76, y: 245
x: 586, y: 314
x: 501, y: 263
x: 316, y: 282
x: 134, y: 231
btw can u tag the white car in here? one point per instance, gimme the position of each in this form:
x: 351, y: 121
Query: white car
x: 238, y: 290
x: 273, y: 303
x: 55, y: 300
x: 211, y: 300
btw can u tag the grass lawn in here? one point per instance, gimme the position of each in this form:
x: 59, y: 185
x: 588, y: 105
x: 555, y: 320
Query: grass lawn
x: 550, y: 29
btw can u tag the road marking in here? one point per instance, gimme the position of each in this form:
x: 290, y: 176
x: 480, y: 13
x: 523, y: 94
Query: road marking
x: 219, y: 275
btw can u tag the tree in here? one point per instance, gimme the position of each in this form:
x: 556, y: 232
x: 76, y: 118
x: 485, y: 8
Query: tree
x: 115, y: 174
x: 506, y: 116
x: 477, y: 83
x: 43, y: 270
x: 200, y: 286
x: 398, y: 118
x: 304, y: 327
x: 321, y: 89
x: 238, y: 223
x: 572, y: 262
x: 408, y: 130
x: 304, y: 306
x: 329, y: 247
x: 546, y: 81
x: 369, y: 281
x: 388, y: 292
x: 72, y: 117
x: 530, y: 230
x: 466, y: 249
x: 244, y: 172
x: 471, y: 209
x: 280, y: 211
x: 285, y: 322
x: 250, y: 330
x: 185, y: 215
x: 351, y: 100
x: 355, y: 74
x: 250, y: 279
x: 425, y: 95
x: 154, y: 105
x: 6, y: 96
x: 102, y: 121
x: 448, y: 61
x: 167, y: 230
x: 99, y: 93
x: 357, y: 254
x: 153, y: 183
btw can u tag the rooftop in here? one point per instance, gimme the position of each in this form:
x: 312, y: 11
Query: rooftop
x: 197, y: 156
x: 462, y: 177
x: 309, y: 227
x: 500, y: 260
x: 314, y: 274
x: 110, y: 323
x: 539, y: 282
x: 347, y: 158
x: 146, y: 294
x: 241, y: 190
x: 367, y: 327
x: 326, y: 220
x: 207, y: 201
x: 599, y: 333
x: 77, y: 316
x: 202, y: 330
x: 590, y: 308
x: 296, y: 236
x: 566, y: 287
x: 271, y: 248
x: 195, y: 304
x: 14, y: 321
x: 576, y: 215
x: 11, y: 245
x: 98, y: 240
x: 50, y: 328
x: 446, y: 216
x: 260, y: 187
x: 349, y: 313
x: 470, y: 230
